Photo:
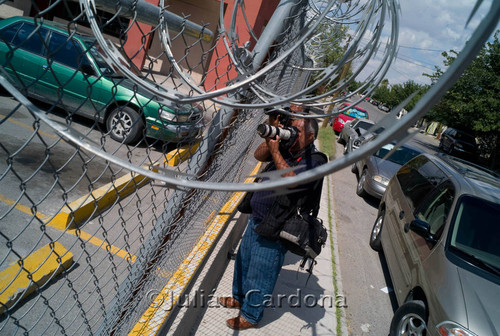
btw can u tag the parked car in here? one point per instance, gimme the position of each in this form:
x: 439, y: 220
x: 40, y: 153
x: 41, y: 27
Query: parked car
x: 352, y: 112
x: 383, y: 107
x: 376, y: 170
x: 458, y: 143
x: 438, y: 227
x: 352, y: 130
x: 354, y: 127
x: 45, y: 63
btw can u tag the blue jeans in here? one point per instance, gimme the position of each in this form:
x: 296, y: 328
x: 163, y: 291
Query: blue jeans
x: 257, y: 266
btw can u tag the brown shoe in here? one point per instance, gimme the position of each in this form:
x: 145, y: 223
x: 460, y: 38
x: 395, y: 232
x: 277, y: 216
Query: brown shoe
x: 239, y: 323
x: 229, y: 302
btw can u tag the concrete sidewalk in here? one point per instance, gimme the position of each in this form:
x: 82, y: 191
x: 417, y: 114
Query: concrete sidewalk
x: 297, y: 307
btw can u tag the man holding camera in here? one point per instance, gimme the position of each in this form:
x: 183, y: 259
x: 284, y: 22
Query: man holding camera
x: 261, y: 254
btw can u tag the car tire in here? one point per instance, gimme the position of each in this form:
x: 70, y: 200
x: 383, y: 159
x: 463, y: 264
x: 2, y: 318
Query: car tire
x: 125, y: 125
x: 410, y: 319
x: 375, y: 242
x: 450, y: 150
x: 360, y: 190
x: 354, y: 169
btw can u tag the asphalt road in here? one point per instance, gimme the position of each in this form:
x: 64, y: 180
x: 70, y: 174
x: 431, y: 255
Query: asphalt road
x: 39, y: 172
x: 365, y: 279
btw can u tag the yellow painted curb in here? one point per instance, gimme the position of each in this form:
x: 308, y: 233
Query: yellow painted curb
x: 177, y: 156
x: 93, y: 203
x: 42, y: 265
x: 88, y: 205
x: 161, y: 307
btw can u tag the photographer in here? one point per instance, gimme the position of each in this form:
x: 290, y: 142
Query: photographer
x: 261, y: 254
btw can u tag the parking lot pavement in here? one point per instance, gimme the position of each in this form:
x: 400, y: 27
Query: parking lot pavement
x: 41, y: 175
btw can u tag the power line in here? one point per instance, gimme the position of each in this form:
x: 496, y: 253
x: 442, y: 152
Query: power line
x: 424, y: 49
x: 409, y: 61
x: 415, y: 79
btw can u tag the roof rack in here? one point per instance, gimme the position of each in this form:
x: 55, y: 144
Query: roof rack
x: 465, y: 167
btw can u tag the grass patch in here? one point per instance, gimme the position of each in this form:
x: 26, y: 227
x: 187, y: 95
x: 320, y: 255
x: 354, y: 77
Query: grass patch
x: 327, y: 144
x: 338, y: 311
x: 327, y: 141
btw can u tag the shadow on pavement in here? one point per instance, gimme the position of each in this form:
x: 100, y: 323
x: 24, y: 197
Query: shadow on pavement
x: 388, y: 281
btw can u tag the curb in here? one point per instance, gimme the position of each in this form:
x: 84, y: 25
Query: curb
x: 165, y: 306
x: 93, y: 203
x: 336, y: 254
x: 23, y: 278
x: 87, y: 206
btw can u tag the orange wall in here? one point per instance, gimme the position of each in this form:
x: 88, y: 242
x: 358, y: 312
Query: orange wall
x: 258, y: 13
x: 139, y: 41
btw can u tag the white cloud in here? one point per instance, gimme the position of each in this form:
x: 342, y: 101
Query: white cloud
x: 432, y: 25
x: 428, y: 27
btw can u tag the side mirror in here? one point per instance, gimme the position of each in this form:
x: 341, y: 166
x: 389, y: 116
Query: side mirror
x: 87, y: 69
x: 423, y: 229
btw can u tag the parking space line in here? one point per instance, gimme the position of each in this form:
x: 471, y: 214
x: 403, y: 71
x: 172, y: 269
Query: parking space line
x: 102, y: 244
x: 22, y: 208
x: 82, y: 234
x: 29, y: 127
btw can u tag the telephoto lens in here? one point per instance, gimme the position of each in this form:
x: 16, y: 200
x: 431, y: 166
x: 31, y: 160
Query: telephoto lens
x: 268, y: 131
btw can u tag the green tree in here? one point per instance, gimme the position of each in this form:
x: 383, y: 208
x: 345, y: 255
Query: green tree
x: 473, y: 102
x: 396, y: 94
x: 354, y: 85
x: 382, y: 94
x: 327, y: 48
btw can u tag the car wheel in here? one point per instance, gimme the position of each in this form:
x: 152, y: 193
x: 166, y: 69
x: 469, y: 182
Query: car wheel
x: 409, y: 319
x: 125, y: 125
x: 450, y: 150
x: 360, y: 190
x: 375, y: 242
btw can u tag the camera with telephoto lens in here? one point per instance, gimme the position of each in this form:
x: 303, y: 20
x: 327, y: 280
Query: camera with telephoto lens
x: 287, y: 135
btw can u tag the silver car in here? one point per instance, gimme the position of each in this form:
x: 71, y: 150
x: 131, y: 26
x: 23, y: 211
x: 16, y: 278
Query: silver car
x: 352, y: 130
x: 376, y: 170
x: 438, y: 226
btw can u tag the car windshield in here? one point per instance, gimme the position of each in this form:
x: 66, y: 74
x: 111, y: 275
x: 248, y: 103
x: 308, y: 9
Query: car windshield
x: 355, y: 113
x: 363, y: 124
x: 465, y: 137
x: 400, y: 155
x: 476, y: 231
x: 98, y: 55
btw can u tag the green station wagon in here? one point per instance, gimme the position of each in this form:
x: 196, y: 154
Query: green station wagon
x: 46, y: 63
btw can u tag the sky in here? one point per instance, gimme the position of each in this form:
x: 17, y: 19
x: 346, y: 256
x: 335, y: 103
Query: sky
x: 427, y: 28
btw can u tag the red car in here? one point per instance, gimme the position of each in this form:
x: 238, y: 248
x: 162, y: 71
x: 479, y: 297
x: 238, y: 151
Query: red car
x: 354, y: 112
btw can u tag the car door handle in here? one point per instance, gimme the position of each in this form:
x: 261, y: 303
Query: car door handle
x: 401, y: 215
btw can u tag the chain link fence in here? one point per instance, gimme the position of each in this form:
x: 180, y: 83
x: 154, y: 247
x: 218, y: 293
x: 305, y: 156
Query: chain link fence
x: 140, y: 124
x: 93, y: 265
